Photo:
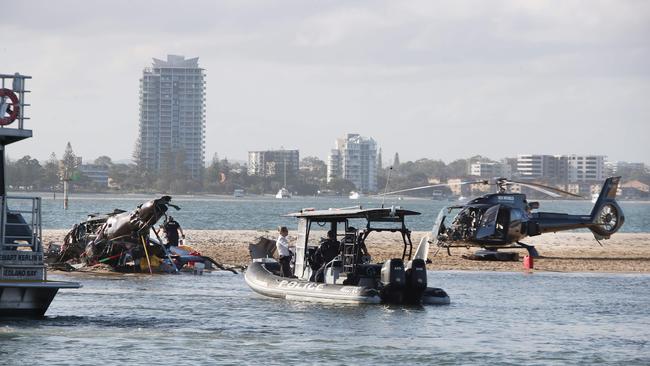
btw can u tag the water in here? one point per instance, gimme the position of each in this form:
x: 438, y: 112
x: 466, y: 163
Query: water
x: 264, y: 212
x: 494, y: 318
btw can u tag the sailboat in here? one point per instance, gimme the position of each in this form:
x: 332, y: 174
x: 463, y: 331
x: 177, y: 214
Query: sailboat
x: 284, y: 192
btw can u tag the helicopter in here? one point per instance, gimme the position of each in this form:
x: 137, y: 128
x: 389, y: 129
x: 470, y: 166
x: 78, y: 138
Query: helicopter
x: 501, y: 220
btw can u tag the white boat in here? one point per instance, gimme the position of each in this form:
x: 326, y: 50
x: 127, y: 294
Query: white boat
x: 283, y: 193
x: 355, y: 195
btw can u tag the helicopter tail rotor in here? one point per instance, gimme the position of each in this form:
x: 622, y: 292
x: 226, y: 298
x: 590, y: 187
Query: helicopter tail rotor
x: 607, y: 216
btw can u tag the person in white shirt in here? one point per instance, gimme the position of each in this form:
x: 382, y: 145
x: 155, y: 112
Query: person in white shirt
x: 282, y: 246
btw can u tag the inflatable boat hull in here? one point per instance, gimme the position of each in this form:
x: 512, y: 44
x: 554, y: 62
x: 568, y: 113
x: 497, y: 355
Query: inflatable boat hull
x: 260, y: 278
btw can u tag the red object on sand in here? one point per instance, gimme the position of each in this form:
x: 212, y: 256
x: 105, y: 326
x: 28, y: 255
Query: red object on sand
x: 528, y: 262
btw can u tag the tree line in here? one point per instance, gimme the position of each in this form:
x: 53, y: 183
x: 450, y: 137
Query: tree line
x: 222, y: 176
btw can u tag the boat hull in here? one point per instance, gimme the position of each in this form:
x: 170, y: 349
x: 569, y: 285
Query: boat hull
x: 29, y: 298
x: 260, y: 278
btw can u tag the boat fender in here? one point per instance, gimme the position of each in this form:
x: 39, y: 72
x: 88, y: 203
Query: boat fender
x: 14, y: 111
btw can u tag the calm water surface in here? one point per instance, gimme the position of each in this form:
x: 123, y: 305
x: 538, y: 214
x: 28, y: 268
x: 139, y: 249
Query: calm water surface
x: 494, y: 318
x: 264, y: 212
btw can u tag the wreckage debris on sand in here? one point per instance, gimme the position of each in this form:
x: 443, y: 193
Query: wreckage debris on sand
x: 127, y: 242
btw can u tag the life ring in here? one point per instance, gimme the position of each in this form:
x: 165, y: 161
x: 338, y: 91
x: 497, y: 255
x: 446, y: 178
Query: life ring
x: 15, y: 110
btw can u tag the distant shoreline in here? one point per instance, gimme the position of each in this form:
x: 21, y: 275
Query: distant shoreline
x: 151, y: 195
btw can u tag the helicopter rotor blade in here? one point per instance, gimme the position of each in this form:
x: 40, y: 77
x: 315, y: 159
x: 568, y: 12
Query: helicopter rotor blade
x: 538, y: 189
x: 551, y: 191
x: 432, y: 186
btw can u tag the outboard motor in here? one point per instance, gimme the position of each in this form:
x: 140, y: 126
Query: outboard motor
x: 416, y: 280
x: 393, y: 280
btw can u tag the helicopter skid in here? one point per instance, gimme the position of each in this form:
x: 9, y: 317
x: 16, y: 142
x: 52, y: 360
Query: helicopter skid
x: 531, y: 249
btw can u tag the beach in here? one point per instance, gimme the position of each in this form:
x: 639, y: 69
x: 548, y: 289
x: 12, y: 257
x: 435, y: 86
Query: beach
x: 560, y: 252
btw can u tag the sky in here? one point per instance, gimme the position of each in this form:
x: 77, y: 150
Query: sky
x: 428, y: 79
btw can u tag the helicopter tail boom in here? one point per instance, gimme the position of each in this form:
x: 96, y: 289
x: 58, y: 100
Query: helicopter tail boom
x: 605, y: 219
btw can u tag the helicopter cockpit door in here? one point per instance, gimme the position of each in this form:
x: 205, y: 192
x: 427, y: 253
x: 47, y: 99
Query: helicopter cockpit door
x: 488, y: 224
x: 438, y: 225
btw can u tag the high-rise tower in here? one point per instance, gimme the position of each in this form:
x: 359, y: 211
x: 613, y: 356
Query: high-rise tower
x: 172, y: 117
x: 354, y: 159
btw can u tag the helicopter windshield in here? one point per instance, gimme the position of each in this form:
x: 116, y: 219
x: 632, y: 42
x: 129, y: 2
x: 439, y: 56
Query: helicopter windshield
x: 470, y: 223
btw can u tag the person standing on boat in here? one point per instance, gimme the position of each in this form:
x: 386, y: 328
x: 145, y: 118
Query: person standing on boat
x: 171, y: 228
x: 282, y: 245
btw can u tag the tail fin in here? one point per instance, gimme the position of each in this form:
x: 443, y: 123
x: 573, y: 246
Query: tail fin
x: 607, y: 216
x: 422, y: 252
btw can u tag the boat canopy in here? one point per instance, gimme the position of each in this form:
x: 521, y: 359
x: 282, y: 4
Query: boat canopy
x: 373, y: 214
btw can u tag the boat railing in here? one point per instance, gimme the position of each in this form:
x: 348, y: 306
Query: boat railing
x: 331, y: 264
x: 21, y: 251
x: 21, y: 225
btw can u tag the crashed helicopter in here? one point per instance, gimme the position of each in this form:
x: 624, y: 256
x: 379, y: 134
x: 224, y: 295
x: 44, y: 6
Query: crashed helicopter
x: 123, y: 241
x: 502, y: 220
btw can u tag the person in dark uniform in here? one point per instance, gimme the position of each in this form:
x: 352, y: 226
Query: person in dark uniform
x: 171, y: 228
x: 328, y: 250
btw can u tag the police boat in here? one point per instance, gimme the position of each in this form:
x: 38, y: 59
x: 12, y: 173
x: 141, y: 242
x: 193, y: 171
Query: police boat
x: 339, y: 269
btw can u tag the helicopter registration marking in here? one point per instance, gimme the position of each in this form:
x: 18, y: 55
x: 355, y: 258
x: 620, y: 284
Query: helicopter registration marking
x: 298, y: 285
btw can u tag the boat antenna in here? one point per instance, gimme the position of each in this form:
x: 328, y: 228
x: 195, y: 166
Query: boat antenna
x: 383, y: 198
x: 284, y: 155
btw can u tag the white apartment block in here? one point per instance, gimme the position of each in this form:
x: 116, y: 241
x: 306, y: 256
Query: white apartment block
x: 613, y: 168
x: 585, y: 168
x: 562, y: 168
x: 96, y: 173
x: 172, y: 115
x: 272, y: 162
x: 354, y: 159
x: 535, y: 166
x: 490, y: 169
